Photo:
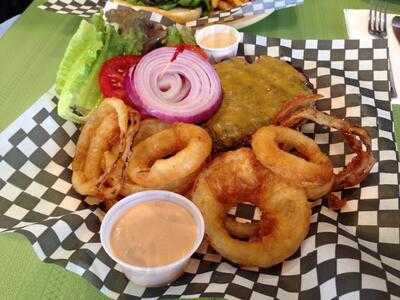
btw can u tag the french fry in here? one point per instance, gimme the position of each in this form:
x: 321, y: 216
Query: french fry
x: 214, y: 3
x: 235, y: 3
x: 223, y: 5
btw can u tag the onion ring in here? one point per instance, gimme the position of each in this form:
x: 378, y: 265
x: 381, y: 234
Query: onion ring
x: 185, y: 89
x: 360, y: 166
x: 285, y: 210
x: 180, y: 186
x: 295, y: 104
x: 149, y: 127
x: 189, y: 145
x: 241, y: 230
x: 103, y: 148
x: 236, y: 173
x: 314, y: 174
x: 334, y: 202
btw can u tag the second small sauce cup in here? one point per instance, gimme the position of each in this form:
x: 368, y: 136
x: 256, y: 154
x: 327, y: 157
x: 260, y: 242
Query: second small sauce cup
x: 218, y: 41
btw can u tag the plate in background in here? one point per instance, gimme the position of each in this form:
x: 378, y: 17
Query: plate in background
x: 247, y: 21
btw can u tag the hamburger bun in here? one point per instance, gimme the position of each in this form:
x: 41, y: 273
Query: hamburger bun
x: 179, y: 15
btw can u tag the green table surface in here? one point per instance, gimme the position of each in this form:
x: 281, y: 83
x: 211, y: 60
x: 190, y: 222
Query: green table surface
x: 29, y: 55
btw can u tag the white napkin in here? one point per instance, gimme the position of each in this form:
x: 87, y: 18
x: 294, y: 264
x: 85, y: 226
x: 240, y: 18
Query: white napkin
x: 357, y: 28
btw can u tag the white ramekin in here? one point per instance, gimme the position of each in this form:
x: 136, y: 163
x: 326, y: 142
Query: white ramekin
x: 218, y: 54
x: 150, y: 276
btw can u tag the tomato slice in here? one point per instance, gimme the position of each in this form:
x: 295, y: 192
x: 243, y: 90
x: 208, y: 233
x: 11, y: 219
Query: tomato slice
x: 112, y: 75
x: 193, y: 48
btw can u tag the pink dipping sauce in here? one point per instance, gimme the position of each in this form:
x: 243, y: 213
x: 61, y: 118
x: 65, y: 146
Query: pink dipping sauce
x: 153, y: 233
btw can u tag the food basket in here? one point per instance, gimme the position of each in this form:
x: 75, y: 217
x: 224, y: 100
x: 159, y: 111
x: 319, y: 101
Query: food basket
x: 353, y: 253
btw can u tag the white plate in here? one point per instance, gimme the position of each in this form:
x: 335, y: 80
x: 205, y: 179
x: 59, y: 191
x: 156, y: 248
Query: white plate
x: 238, y: 24
x: 247, y: 21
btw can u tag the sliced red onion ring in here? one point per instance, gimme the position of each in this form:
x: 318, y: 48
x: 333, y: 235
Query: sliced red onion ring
x: 187, y: 89
x: 174, y: 87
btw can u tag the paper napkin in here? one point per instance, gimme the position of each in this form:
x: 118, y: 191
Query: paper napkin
x: 357, y: 28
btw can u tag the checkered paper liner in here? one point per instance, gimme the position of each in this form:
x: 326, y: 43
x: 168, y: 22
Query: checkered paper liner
x: 351, y: 254
x: 86, y: 8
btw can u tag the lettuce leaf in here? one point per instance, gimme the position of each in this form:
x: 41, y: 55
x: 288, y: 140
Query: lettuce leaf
x: 187, y: 35
x: 80, y: 55
x: 77, y: 77
x: 98, y: 21
x: 181, y: 35
x: 74, y: 70
x: 114, y: 45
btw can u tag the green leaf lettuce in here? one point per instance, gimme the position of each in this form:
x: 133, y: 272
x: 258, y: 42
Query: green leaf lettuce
x: 181, y: 35
x: 77, y: 77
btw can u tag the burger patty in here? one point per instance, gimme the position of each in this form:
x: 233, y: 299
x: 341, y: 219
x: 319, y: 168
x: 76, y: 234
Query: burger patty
x: 253, y: 95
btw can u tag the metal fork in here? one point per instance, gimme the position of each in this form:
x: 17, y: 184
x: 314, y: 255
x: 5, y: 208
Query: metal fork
x: 377, y: 27
x: 378, y: 18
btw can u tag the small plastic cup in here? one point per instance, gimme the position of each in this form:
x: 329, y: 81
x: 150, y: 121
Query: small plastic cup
x: 218, y: 54
x: 151, y: 276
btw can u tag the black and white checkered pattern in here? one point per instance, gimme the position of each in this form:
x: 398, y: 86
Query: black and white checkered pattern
x: 351, y: 254
x: 83, y: 8
x: 86, y: 8
x: 111, y: 7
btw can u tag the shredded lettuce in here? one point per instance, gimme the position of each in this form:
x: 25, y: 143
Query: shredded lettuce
x: 77, y: 77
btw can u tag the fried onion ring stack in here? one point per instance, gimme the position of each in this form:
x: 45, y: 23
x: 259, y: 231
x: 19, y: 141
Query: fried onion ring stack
x: 103, y: 148
x: 117, y: 155
x: 285, y: 210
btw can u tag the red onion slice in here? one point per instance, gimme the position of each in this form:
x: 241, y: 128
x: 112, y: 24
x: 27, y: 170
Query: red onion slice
x: 187, y: 89
x: 173, y: 87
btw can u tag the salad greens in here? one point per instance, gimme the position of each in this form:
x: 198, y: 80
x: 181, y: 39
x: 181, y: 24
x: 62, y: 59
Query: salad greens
x: 77, y: 76
x: 77, y: 82
x: 181, y: 35
x: 144, y: 33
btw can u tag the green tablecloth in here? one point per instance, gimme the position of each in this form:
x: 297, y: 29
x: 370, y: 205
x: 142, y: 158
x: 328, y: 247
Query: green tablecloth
x: 29, y: 55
